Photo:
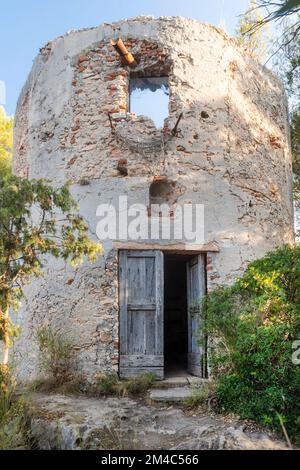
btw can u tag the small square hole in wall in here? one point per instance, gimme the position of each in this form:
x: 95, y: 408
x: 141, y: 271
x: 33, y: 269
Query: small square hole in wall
x: 149, y: 96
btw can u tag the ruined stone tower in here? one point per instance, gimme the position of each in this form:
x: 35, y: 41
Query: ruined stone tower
x: 129, y: 311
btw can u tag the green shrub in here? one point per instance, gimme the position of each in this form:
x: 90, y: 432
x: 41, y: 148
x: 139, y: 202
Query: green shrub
x: 74, y: 385
x: 201, y: 395
x: 14, y: 430
x: 7, y: 388
x: 56, y: 355
x: 254, y: 324
x: 136, y: 386
x: 105, y: 385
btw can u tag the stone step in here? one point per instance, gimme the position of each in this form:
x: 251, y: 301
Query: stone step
x: 184, y: 381
x: 170, y: 395
x: 172, y: 382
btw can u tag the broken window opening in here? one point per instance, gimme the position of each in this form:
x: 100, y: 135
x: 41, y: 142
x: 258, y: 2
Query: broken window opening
x: 149, y: 96
x: 162, y: 192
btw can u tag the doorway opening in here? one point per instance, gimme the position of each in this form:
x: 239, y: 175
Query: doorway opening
x: 164, y: 337
x: 175, y: 315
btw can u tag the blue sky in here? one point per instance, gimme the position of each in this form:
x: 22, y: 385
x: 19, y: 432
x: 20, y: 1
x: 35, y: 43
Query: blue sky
x: 28, y: 25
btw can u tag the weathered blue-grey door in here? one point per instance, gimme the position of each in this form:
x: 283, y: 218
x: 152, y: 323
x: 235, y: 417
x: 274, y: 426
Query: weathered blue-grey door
x: 196, y: 288
x: 141, y: 313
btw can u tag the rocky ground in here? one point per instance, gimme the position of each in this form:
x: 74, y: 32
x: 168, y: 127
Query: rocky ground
x: 65, y: 422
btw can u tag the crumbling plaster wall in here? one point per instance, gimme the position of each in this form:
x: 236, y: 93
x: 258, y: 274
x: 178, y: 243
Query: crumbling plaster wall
x: 231, y: 154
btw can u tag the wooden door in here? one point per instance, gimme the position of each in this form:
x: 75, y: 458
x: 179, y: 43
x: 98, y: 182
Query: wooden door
x: 196, y: 288
x: 141, y: 313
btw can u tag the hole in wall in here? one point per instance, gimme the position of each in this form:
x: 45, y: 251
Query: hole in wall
x: 162, y: 192
x: 149, y: 96
x: 204, y: 115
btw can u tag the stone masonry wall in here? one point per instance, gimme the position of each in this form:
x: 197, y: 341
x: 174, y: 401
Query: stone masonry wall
x: 231, y: 153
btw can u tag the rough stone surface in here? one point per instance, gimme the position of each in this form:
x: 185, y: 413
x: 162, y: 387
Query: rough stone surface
x: 122, y: 424
x: 231, y: 153
x: 180, y: 381
x: 173, y: 394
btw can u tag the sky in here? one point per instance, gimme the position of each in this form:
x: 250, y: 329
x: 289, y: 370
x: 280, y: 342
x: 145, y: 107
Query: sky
x: 25, y: 26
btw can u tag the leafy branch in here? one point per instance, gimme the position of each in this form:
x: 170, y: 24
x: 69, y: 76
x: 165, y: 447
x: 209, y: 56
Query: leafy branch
x: 36, y: 220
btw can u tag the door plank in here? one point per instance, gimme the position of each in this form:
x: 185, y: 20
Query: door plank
x: 196, y: 284
x: 132, y: 372
x: 141, y: 360
x: 141, y: 312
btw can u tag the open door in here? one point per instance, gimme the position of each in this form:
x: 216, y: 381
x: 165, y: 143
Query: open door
x: 141, y: 313
x: 195, y: 291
